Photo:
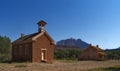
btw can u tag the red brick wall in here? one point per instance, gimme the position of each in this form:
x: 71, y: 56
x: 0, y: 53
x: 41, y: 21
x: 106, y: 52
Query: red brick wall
x: 43, y: 43
x: 22, y: 52
x: 32, y: 51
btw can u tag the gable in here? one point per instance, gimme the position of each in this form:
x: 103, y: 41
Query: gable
x: 43, y: 40
x: 37, y: 36
x: 44, y: 33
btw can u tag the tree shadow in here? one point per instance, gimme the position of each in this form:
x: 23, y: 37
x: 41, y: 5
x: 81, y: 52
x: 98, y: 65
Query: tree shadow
x: 112, y: 69
x: 115, y: 68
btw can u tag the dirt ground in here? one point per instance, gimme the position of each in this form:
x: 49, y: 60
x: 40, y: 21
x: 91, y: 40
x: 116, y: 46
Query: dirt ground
x: 58, y: 65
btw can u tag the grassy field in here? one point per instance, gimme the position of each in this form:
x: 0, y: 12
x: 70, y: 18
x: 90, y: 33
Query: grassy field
x: 63, y: 65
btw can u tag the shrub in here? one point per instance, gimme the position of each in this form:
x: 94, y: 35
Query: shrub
x: 5, y: 49
x: 70, y: 54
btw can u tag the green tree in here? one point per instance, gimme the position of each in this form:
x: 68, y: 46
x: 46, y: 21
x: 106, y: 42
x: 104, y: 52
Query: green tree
x: 113, y: 54
x: 69, y: 54
x: 5, y: 48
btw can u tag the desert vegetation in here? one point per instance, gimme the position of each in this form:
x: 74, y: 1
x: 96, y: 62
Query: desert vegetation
x: 113, y: 54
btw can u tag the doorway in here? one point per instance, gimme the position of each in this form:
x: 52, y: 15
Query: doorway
x: 43, y: 54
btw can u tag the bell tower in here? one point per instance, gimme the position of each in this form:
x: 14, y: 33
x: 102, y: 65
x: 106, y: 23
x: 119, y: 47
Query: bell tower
x: 41, y: 26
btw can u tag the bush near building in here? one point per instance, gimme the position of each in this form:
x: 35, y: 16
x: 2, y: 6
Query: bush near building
x: 5, y: 48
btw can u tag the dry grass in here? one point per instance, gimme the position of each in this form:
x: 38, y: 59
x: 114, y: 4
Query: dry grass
x: 58, y: 65
x: 113, y: 68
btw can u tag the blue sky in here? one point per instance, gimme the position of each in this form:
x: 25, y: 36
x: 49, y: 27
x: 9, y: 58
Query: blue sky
x: 94, y: 21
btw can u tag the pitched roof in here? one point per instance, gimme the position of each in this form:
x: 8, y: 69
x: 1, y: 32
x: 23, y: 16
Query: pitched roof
x: 32, y: 37
x: 94, y: 48
x: 41, y: 23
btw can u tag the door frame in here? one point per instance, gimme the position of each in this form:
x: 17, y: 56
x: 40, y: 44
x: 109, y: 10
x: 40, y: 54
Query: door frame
x: 44, y: 55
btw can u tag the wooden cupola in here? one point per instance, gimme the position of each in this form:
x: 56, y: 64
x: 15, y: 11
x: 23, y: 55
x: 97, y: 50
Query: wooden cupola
x: 41, y: 26
x: 41, y: 23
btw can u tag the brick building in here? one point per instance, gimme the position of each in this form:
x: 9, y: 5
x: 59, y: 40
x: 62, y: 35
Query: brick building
x: 92, y: 53
x: 36, y: 47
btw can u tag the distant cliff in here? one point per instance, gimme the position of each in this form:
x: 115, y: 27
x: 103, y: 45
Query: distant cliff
x: 72, y: 42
